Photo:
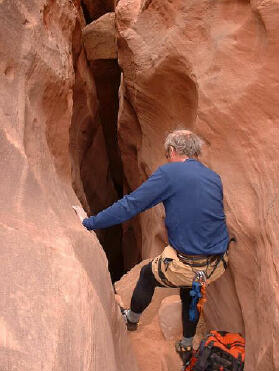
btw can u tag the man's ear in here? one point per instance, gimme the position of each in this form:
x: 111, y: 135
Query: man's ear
x: 171, y: 150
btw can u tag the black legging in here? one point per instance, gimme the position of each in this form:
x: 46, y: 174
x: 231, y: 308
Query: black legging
x: 144, y: 291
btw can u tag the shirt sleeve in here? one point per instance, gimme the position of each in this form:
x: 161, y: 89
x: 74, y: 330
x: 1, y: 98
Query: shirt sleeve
x: 154, y: 190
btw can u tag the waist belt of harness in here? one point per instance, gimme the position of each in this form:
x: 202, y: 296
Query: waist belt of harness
x: 201, y: 260
x: 197, y: 262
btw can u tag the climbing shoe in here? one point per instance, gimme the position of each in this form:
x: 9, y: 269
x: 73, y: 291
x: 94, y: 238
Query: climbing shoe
x: 185, y: 353
x: 131, y: 326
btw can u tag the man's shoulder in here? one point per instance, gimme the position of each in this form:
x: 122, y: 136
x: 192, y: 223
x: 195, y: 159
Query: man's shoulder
x: 175, y: 170
x: 206, y: 168
x: 171, y: 167
x: 190, y: 167
x: 207, y: 173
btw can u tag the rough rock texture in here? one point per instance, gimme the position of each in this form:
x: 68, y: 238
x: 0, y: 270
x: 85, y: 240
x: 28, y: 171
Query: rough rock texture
x: 211, y: 66
x: 100, y: 39
x: 57, y: 303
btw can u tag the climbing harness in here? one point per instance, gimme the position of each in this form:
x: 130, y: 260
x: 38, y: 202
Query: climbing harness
x: 198, y: 292
x: 169, y: 272
x: 161, y: 274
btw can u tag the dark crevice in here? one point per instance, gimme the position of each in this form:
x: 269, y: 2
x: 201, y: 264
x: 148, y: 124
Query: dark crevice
x: 111, y: 240
x: 146, y: 4
x: 86, y: 13
x: 97, y: 171
x: 96, y: 164
x: 107, y: 80
x: 93, y: 10
x: 100, y: 193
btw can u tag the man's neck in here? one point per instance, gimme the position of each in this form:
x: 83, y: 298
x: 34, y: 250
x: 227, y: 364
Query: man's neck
x: 180, y: 158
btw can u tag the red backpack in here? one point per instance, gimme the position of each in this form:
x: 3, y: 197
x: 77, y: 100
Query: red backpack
x: 219, y: 351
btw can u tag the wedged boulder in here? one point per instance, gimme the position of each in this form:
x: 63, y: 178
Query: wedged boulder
x: 99, y: 38
x: 170, y: 317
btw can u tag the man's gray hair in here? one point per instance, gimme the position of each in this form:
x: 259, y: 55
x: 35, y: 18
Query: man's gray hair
x: 184, y: 142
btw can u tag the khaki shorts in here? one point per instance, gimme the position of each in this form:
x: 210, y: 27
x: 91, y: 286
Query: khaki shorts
x: 178, y: 274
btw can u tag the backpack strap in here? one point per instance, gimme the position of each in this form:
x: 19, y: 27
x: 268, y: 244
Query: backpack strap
x: 238, y: 365
x: 202, y: 361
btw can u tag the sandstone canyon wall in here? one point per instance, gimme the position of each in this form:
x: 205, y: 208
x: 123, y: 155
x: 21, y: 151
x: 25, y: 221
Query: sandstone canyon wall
x: 211, y: 66
x: 57, y: 302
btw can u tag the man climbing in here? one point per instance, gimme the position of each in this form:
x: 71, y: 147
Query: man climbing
x: 198, y: 239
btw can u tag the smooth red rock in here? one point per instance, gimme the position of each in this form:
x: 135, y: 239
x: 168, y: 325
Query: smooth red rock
x: 211, y: 66
x: 57, y: 304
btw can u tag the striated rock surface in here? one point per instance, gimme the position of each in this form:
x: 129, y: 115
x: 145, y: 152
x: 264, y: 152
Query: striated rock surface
x: 57, y: 303
x: 211, y: 67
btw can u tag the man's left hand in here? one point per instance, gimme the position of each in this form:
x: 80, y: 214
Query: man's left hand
x: 86, y: 223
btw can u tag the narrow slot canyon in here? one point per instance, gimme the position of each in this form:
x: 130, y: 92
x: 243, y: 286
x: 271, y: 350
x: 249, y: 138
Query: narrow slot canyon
x: 106, y: 188
x: 133, y: 116
x: 144, y: 106
x: 89, y: 91
x: 107, y: 79
x: 98, y: 181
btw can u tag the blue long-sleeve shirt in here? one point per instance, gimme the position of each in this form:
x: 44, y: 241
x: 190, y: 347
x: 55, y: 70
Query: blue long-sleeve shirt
x: 192, y: 195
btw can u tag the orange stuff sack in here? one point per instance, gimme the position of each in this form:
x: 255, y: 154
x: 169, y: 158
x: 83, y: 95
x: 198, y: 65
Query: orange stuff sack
x: 219, y: 351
